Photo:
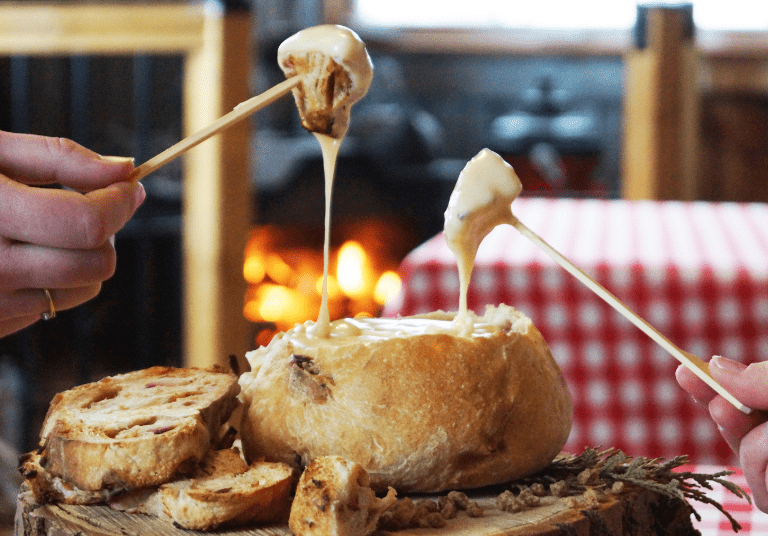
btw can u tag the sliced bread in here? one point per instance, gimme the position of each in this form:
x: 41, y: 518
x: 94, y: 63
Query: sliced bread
x: 223, y: 491
x: 132, y: 430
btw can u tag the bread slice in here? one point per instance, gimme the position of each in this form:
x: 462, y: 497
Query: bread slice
x: 224, y: 490
x: 130, y: 431
x: 333, y: 498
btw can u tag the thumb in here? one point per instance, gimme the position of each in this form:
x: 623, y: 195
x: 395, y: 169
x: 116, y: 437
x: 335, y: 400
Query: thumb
x: 749, y: 384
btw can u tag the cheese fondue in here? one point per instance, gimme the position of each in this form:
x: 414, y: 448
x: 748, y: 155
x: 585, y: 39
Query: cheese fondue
x: 336, y: 72
x: 368, y: 330
x: 480, y: 201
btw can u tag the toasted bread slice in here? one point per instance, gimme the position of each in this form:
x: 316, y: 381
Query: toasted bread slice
x: 133, y: 430
x: 333, y: 498
x: 224, y: 490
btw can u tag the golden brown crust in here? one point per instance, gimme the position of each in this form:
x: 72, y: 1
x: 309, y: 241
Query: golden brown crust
x: 421, y: 414
x: 260, y: 494
x: 333, y: 498
x: 136, y: 429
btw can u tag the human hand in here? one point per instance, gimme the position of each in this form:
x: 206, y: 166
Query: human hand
x: 746, y: 434
x: 53, y: 238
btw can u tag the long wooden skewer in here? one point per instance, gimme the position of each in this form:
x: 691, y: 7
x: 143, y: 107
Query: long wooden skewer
x: 240, y: 112
x: 694, y: 363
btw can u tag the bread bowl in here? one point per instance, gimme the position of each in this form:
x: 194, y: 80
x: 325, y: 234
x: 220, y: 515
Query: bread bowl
x: 419, y: 406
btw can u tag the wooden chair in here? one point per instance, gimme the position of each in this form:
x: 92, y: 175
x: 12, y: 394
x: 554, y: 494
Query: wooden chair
x: 215, y: 45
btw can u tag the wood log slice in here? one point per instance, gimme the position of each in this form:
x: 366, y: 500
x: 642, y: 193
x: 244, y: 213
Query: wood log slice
x: 633, y: 512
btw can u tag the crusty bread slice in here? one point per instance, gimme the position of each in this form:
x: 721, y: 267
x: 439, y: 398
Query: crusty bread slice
x: 333, y: 498
x: 224, y: 490
x: 261, y: 494
x: 133, y: 430
x: 46, y: 487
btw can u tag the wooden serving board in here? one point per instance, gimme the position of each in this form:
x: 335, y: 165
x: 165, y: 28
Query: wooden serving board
x: 553, y: 517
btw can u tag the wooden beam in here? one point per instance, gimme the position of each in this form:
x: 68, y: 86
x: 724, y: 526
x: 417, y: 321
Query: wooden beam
x: 661, y: 111
x: 90, y: 28
x: 217, y: 196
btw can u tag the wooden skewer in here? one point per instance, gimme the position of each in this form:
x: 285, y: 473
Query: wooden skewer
x: 694, y: 363
x: 240, y: 112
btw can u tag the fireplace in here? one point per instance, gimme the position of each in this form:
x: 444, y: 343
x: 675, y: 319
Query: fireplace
x: 284, y: 270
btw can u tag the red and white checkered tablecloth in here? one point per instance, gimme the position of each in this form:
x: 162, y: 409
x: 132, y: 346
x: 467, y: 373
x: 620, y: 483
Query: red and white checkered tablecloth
x: 713, y: 523
x: 696, y: 271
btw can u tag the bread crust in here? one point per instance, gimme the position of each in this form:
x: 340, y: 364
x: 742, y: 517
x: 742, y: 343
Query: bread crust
x: 136, y: 429
x: 420, y: 413
x: 259, y: 494
x: 333, y: 498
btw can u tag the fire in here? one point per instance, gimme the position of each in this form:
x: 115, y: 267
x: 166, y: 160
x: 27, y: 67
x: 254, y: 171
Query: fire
x: 388, y: 287
x: 285, y: 280
x: 351, y: 270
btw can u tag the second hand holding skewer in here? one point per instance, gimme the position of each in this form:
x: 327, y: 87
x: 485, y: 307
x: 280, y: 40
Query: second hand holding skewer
x: 240, y: 112
x: 693, y: 362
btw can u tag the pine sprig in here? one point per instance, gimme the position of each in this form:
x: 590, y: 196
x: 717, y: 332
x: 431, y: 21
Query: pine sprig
x: 654, y: 474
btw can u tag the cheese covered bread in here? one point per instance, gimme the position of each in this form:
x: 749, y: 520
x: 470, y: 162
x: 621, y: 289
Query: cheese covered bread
x: 418, y: 406
x: 335, y: 72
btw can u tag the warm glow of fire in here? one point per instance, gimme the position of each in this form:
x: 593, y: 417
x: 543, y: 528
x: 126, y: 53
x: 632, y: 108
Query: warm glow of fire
x: 351, y: 271
x: 278, y: 303
x: 253, y: 269
x: 278, y: 270
x: 285, y: 280
x: 388, y: 287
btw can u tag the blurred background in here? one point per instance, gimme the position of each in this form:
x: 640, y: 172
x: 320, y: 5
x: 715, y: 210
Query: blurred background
x: 544, y: 84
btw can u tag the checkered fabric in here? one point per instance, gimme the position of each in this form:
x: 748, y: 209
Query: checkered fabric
x: 696, y: 271
x: 713, y: 522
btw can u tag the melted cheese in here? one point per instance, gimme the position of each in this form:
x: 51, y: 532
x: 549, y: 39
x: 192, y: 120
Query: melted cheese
x: 346, y: 49
x: 330, y: 149
x: 480, y: 201
x: 339, y: 43
x: 368, y: 330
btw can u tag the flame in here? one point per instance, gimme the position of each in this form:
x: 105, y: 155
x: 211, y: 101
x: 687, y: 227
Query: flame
x: 388, y: 287
x: 351, y: 270
x: 278, y: 270
x: 283, y: 305
x: 254, y: 270
x: 285, y: 277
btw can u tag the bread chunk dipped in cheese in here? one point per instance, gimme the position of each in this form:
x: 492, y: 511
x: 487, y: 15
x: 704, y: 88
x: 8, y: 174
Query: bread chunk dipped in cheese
x: 419, y: 406
x: 480, y: 201
x: 335, y: 72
